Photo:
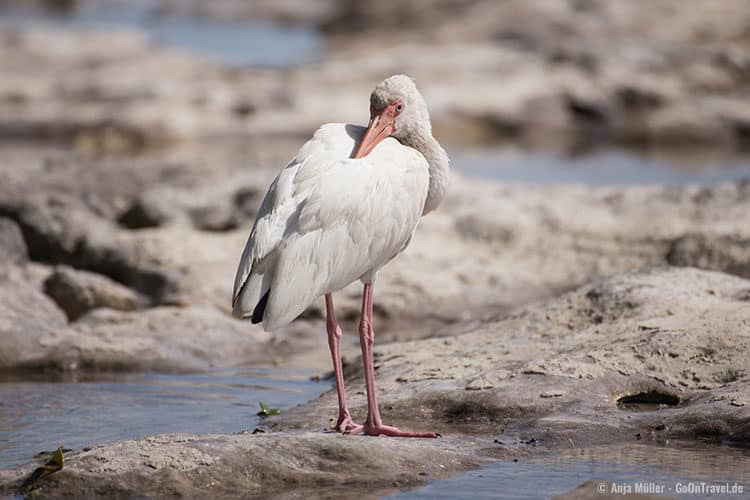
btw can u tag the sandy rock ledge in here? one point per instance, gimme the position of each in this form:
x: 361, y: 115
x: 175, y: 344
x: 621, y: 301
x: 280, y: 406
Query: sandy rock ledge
x: 655, y: 357
x: 251, y: 464
x: 670, y: 344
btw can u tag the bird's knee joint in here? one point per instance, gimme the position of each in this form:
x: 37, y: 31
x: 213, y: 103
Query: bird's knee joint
x: 334, y: 331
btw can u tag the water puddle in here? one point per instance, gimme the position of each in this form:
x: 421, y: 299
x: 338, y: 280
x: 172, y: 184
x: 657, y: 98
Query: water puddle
x: 236, y: 43
x: 692, y: 472
x: 37, y: 415
x: 599, y: 168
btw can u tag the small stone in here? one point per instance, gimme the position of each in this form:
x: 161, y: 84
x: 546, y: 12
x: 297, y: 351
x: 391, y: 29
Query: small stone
x: 552, y: 394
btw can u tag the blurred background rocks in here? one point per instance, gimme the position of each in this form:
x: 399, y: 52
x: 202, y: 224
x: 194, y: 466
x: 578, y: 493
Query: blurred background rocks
x: 642, y: 73
x: 138, y: 138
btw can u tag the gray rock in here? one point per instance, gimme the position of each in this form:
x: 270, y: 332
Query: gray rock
x: 668, y: 338
x: 59, y: 228
x: 142, y: 214
x: 250, y: 465
x: 37, y: 336
x: 53, y: 225
x: 166, y: 339
x: 77, y: 292
x: 526, y: 243
x: 722, y: 253
x: 27, y: 318
x: 12, y: 246
x: 220, y: 205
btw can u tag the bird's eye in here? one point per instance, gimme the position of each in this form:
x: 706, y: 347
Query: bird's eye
x: 399, y: 108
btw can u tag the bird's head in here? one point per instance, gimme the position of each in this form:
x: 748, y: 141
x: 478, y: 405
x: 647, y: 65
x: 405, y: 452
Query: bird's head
x: 398, y: 110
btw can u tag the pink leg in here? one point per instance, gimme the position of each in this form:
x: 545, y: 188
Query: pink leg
x: 344, y: 422
x: 374, y: 425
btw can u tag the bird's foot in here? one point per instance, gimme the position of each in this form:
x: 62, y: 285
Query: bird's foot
x: 387, y: 430
x: 346, y: 425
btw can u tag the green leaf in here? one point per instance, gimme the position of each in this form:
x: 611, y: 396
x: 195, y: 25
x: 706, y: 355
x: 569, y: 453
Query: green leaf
x: 52, y: 465
x: 265, y: 410
x: 57, y: 459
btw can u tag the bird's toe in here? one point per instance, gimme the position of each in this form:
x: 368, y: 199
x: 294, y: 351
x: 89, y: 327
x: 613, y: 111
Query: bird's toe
x: 387, y: 430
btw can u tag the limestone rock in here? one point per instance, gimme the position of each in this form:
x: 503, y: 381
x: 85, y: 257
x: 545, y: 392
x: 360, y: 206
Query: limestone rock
x: 167, y: 339
x: 12, y: 246
x: 27, y: 317
x: 722, y: 253
x: 666, y: 338
x: 77, y: 292
x: 225, y: 466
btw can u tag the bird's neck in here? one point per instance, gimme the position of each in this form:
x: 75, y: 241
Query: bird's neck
x: 439, y: 166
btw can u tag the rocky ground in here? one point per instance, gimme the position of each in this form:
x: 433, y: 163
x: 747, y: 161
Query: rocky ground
x: 156, y: 247
x: 531, y: 320
x: 159, y: 252
x: 651, y: 357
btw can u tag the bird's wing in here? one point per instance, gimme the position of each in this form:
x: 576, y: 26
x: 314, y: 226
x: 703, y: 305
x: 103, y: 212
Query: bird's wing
x: 360, y: 214
x: 281, y: 205
x: 350, y: 217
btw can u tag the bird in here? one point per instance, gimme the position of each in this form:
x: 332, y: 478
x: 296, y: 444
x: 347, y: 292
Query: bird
x: 345, y: 205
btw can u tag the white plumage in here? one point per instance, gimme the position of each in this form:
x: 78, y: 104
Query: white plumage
x: 347, y: 204
x: 328, y: 220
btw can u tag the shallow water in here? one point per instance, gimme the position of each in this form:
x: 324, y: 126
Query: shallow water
x: 237, y: 43
x: 599, y: 168
x: 37, y: 416
x: 671, y: 472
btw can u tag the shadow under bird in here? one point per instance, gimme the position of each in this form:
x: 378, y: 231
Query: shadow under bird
x: 347, y: 204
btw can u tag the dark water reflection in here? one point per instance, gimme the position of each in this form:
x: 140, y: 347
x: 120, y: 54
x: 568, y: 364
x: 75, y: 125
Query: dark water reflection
x: 37, y: 416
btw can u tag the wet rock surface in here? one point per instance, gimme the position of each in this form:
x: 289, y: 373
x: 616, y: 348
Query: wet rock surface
x: 652, y: 355
x: 643, y: 358
x: 223, y: 466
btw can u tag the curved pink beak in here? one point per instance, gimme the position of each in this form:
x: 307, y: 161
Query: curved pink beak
x: 381, y: 126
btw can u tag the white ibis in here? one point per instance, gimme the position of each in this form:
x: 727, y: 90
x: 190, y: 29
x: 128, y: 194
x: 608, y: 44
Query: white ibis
x: 347, y: 204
